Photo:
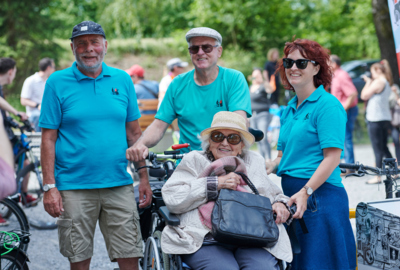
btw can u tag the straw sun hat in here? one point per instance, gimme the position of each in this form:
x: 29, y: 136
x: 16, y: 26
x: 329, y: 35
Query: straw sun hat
x: 230, y: 120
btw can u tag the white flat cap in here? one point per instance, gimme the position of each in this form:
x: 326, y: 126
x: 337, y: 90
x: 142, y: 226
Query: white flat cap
x: 176, y: 62
x: 203, y: 32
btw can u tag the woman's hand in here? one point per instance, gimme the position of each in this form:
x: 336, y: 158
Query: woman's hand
x: 282, y: 214
x: 229, y: 181
x: 300, y: 199
x: 271, y: 166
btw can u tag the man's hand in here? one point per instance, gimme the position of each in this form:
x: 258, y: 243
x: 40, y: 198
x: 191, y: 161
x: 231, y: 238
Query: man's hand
x: 22, y: 116
x: 137, y: 152
x: 300, y: 199
x: 53, y: 202
x: 145, y: 193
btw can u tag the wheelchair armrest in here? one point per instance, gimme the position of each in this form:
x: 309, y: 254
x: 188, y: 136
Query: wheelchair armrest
x: 170, y: 219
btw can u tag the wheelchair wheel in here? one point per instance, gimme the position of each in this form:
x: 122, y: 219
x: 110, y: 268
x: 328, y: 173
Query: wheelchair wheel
x: 154, y: 258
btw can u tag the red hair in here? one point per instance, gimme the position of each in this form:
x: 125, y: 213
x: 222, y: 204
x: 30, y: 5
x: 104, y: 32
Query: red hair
x: 310, y: 50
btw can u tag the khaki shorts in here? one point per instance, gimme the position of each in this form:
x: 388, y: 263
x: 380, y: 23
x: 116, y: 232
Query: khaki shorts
x: 114, y: 208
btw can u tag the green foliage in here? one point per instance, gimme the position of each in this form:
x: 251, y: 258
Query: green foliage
x: 26, y: 35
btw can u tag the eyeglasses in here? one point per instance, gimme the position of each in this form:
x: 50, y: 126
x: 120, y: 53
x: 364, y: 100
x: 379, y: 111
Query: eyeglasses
x: 218, y: 137
x: 300, y: 63
x: 207, y: 48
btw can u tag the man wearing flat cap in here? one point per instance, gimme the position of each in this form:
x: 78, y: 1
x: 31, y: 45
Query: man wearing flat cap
x: 194, y: 97
x: 88, y: 120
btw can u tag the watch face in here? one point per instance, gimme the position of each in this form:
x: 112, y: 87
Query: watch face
x: 309, y: 191
x: 45, y: 187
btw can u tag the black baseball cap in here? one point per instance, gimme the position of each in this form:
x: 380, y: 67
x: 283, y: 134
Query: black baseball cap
x: 87, y: 28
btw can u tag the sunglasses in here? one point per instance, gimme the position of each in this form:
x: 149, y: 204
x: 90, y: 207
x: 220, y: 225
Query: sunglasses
x: 218, y: 137
x: 300, y: 63
x: 207, y: 48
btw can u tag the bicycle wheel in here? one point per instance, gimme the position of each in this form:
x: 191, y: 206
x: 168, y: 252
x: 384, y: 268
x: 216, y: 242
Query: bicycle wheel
x: 16, y: 222
x: 14, y: 260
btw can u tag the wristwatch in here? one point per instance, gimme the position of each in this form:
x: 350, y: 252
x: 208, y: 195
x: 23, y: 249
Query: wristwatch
x: 47, y: 187
x: 309, y: 190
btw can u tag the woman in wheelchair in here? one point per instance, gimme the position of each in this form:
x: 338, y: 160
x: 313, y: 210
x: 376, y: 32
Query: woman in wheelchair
x: 192, y: 189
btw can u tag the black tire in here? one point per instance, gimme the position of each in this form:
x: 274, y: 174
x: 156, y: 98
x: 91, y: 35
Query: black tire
x: 26, y: 171
x: 17, y: 220
x: 14, y: 260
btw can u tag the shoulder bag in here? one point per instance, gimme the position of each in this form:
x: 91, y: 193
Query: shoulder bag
x: 244, y: 219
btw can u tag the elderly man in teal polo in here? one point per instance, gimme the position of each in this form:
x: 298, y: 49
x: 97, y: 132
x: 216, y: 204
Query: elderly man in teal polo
x: 196, y: 96
x: 89, y: 118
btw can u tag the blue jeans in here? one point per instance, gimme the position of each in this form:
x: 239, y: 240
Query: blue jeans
x: 261, y: 121
x: 348, y: 142
x: 34, y: 119
x: 329, y: 243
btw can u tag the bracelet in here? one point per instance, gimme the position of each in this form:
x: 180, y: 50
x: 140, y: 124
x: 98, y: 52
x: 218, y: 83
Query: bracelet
x: 37, y: 105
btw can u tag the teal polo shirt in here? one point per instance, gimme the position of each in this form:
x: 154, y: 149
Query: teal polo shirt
x: 195, y: 106
x: 318, y: 123
x: 90, y: 116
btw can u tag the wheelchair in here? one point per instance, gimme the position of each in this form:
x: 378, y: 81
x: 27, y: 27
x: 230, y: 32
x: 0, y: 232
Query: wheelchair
x: 154, y: 218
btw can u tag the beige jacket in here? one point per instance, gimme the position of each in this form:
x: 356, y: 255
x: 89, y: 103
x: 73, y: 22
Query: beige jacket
x: 184, y: 192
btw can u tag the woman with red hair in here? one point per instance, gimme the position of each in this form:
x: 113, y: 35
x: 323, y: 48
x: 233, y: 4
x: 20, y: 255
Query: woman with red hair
x: 310, y: 147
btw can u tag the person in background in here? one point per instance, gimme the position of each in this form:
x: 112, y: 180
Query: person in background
x: 8, y: 185
x: 394, y: 104
x: 260, y: 103
x: 144, y: 89
x: 344, y: 90
x: 8, y: 70
x: 175, y: 67
x: 377, y: 91
x: 270, y: 76
x: 310, y: 146
x: 33, y: 88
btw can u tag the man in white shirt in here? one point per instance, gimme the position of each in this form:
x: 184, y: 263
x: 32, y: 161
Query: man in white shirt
x: 33, y: 88
x: 175, y: 67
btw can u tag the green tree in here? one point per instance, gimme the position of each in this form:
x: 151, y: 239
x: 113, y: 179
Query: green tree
x: 26, y: 35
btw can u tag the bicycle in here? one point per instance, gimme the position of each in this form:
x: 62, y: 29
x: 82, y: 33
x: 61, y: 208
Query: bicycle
x: 376, y: 243
x: 12, y: 257
x: 23, y: 150
x: 17, y: 219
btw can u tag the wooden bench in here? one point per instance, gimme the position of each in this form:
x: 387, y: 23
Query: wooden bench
x: 147, y: 105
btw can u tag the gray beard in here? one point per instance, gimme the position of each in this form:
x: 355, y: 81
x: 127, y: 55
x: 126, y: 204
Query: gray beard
x: 84, y: 67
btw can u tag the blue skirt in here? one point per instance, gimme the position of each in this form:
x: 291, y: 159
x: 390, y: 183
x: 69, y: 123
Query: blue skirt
x: 330, y: 242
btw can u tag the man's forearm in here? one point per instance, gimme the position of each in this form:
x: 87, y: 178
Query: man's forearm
x: 154, y: 133
x: 47, y: 161
x: 27, y: 102
x: 4, y: 105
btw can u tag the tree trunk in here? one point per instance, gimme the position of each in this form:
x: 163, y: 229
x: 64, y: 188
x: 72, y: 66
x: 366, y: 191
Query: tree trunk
x: 383, y: 27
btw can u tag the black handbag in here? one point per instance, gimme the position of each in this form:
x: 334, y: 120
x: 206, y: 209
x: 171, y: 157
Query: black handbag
x: 244, y: 219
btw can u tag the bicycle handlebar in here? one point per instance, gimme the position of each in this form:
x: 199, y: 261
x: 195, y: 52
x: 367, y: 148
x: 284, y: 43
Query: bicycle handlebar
x: 180, y: 146
x: 26, y: 124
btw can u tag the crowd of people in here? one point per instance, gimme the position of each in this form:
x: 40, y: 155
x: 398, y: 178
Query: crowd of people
x: 85, y: 177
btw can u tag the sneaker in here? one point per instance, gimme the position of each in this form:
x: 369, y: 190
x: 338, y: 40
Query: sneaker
x: 3, y: 222
x: 373, y: 181
x: 29, y: 199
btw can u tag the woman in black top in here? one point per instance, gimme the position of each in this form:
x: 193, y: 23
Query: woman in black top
x: 269, y: 74
x: 260, y: 91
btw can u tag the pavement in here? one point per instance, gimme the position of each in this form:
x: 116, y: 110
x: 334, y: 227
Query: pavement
x: 43, y: 248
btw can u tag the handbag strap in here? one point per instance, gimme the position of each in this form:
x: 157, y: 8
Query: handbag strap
x: 248, y: 182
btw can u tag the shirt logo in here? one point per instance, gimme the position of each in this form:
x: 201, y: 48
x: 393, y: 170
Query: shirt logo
x: 307, y: 116
x: 219, y: 103
x: 114, y: 91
